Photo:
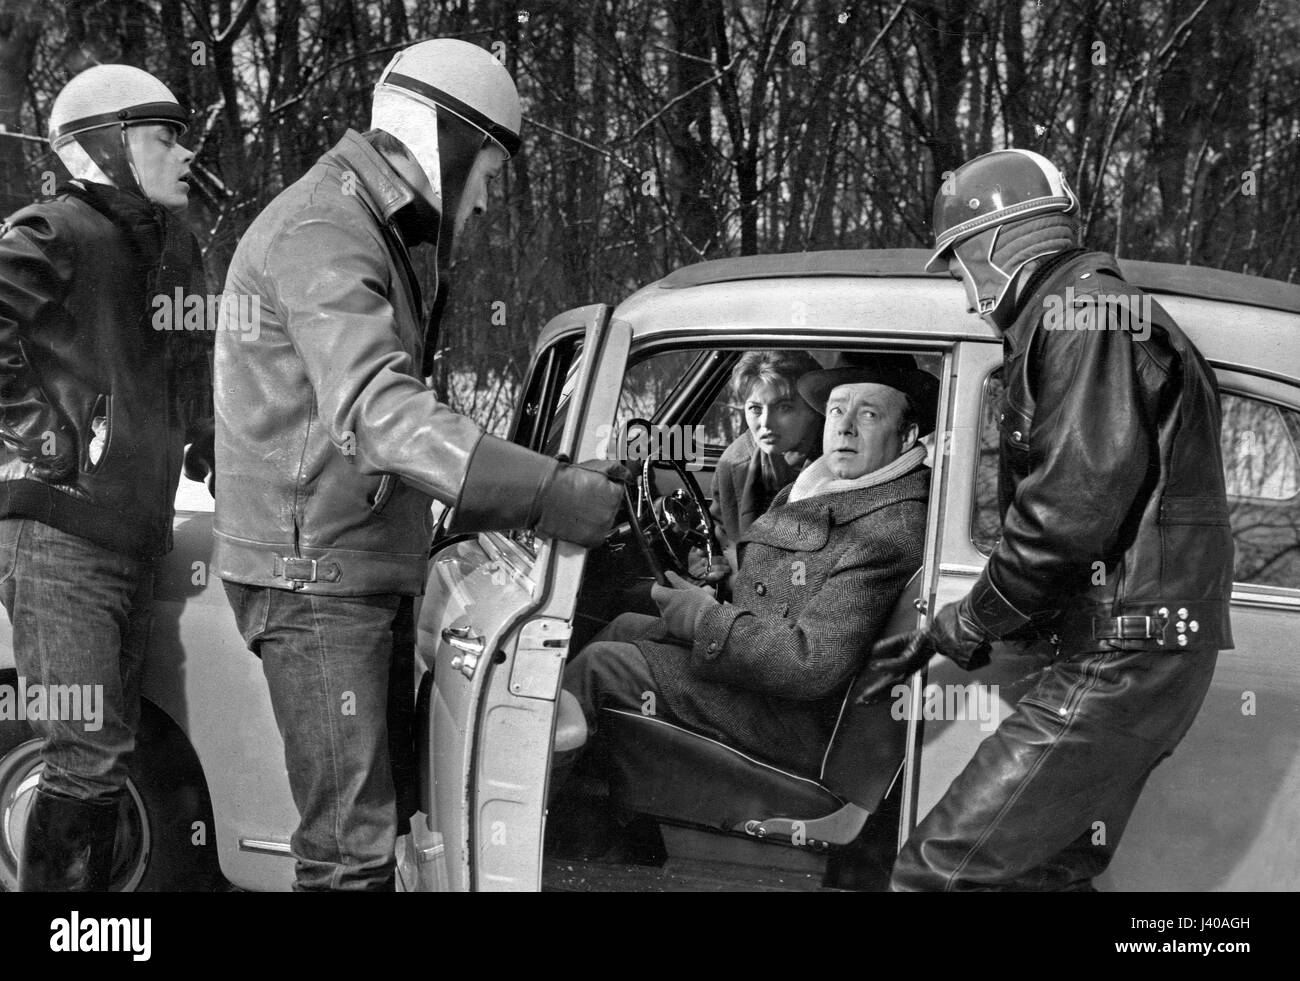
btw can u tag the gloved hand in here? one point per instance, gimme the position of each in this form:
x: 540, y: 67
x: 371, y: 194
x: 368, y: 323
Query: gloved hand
x: 952, y: 632
x: 53, y: 460
x: 508, y: 486
x: 957, y: 635
x: 682, y: 606
x: 700, y: 568
x: 580, y: 503
x: 200, y: 460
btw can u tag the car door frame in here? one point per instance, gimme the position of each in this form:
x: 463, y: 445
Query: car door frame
x: 490, y: 735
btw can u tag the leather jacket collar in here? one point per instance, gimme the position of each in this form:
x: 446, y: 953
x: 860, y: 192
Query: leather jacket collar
x: 142, y: 221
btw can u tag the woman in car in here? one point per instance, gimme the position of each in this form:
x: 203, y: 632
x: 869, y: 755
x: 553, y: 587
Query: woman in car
x: 783, y: 434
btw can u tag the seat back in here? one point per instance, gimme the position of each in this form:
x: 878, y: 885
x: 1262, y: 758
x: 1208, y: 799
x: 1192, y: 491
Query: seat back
x: 867, y: 747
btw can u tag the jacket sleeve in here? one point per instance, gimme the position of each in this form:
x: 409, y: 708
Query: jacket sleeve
x: 818, y: 653
x: 331, y: 282
x: 1092, y: 451
x: 36, y: 268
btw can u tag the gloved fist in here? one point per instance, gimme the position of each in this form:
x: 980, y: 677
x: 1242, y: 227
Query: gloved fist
x: 682, y: 606
x: 53, y: 460
x: 200, y: 461
x: 956, y: 635
x: 580, y: 502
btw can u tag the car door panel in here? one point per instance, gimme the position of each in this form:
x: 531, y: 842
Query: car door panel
x: 494, y: 629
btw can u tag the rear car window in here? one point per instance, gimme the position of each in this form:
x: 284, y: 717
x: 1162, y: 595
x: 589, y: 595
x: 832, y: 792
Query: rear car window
x: 1261, y: 460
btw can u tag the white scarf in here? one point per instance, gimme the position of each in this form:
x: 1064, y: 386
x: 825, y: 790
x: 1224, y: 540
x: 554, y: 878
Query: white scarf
x: 817, y: 478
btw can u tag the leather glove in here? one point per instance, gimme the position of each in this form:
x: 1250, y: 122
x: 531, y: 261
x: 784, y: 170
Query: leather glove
x: 200, y: 460
x: 700, y: 568
x: 682, y: 606
x: 580, y: 502
x: 893, y: 660
x: 507, y: 486
x: 958, y: 636
x: 952, y: 632
x: 54, y: 468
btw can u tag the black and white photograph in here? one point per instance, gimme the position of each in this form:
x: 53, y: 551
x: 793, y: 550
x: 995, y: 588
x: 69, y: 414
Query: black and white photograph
x: 651, y: 446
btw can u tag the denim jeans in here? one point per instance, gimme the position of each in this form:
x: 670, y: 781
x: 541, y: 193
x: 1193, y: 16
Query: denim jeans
x: 81, y: 616
x: 327, y: 663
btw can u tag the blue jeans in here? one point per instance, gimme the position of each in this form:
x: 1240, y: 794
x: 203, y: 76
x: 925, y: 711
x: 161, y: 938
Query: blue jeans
x: 327, y: 664
x: 81, y: 617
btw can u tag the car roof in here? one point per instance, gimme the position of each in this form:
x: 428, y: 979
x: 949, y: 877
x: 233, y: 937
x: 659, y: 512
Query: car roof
x: 1155, y: 277
x: 817, y: 299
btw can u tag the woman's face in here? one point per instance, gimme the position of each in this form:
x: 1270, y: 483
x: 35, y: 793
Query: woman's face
x: 779, y: 420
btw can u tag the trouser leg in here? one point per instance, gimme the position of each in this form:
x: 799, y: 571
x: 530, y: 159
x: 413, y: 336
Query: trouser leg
x: 327, y: 664
x: 1044, y: 801
x: 81, y: 619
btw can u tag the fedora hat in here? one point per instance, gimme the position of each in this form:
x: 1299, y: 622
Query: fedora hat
x: 898, y: 371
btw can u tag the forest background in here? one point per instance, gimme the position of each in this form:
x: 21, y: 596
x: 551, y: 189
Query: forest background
x: 662, y: 133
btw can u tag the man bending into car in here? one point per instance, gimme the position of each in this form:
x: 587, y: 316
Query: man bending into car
x: 819, y: 574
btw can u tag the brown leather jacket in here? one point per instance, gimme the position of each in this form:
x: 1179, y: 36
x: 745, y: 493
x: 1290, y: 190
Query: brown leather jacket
x: 1115, y: 526
x: 329, y: 444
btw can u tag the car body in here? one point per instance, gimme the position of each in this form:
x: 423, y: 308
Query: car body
x: 503, y: 612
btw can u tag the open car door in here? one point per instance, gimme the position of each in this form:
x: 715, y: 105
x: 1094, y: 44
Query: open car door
x: 493, y: 636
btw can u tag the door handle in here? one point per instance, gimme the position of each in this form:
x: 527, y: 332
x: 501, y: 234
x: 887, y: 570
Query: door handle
x: 469, y: 648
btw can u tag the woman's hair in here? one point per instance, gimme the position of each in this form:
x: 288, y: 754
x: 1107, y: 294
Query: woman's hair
x: 780, y: 369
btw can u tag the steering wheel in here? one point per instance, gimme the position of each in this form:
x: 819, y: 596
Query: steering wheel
x: 667, y: 532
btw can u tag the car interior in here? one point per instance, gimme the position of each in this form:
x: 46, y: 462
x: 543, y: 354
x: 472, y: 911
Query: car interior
x: 655, y: 803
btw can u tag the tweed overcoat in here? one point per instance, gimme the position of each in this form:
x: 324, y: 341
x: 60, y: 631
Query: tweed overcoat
x: 817, y: 581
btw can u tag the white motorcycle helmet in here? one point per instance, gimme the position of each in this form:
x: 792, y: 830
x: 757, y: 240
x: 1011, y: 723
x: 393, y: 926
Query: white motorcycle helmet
x: 457, y: 77
x: 89, y: 119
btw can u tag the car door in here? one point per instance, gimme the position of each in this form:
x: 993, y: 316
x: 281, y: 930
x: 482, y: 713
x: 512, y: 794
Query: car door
x: 493, y: 637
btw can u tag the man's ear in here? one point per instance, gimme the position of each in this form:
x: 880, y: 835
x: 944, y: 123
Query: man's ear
x: 910, y: 437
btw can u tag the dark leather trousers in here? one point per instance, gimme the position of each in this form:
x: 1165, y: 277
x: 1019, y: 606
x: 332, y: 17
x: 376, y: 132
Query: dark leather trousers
x: 1045, y: 799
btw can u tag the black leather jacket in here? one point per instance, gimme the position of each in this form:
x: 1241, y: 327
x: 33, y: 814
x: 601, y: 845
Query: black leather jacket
x: 80, y: 358
x: 1115, y: 529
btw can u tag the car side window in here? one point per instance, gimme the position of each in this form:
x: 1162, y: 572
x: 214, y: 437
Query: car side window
x: 1261, y: 463
x: 1260, y: 442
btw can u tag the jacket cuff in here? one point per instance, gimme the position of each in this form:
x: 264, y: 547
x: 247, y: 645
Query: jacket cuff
x: 992, y: 612
x: 502, y: 487
x: 712, y: 628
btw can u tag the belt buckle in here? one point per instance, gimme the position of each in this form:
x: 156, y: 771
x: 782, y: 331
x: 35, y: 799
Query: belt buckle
x: 293, y: 565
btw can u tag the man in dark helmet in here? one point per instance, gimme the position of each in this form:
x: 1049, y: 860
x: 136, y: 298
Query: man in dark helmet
x: 331, y: 447
x: 1115, y: 543
x: 96, y: 408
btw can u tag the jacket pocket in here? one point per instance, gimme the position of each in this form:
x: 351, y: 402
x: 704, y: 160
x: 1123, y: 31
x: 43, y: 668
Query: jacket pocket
x: 96, y: 433
x: 378, y: 500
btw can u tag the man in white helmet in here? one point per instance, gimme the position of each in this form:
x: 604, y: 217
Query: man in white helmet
x: 331, y: 447
x: 96, y: 408
x: 1115, y: 554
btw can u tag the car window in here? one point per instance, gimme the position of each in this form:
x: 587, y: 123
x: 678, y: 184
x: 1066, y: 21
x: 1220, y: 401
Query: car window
x: 1262, y: 466
x: 1261, y: 459
x: 649, y: 382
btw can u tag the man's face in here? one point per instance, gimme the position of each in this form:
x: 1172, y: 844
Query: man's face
x: 779, y: 420
x: 161, y: 163
x: 474, y: 199
x: 861, y: 433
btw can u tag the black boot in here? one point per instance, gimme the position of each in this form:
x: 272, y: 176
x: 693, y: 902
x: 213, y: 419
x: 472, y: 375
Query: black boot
x: 68, y: 846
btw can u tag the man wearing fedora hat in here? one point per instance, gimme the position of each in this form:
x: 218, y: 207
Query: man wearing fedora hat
x: 818, y: 575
